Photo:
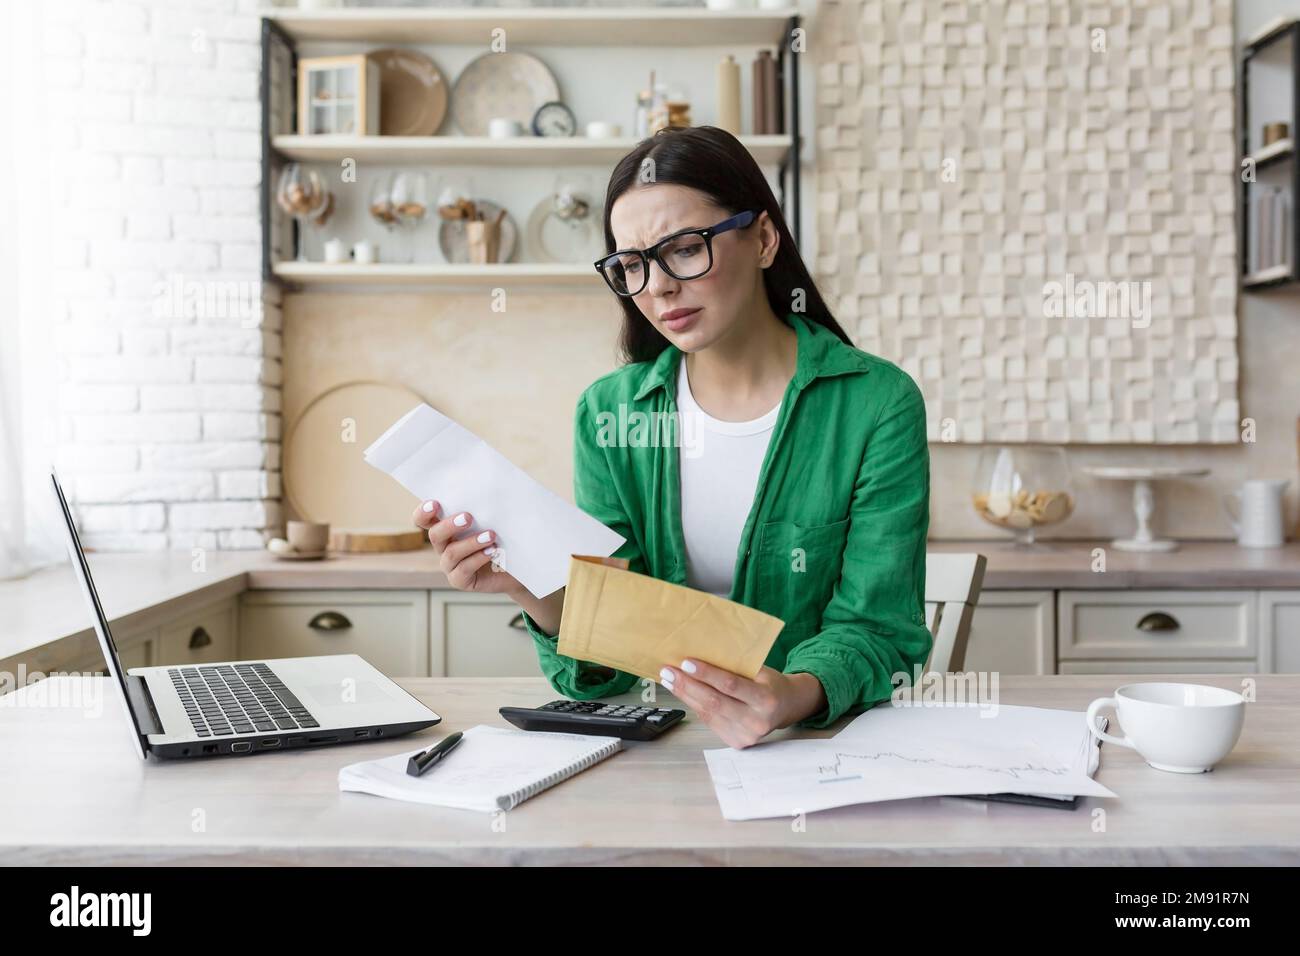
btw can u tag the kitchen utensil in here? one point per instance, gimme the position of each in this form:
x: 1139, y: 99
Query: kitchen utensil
x: 564, y: 227
x: 413, y: 93
x: 483, y: 238
x: 453, y: 240
x: 302, y: 194
x: 1257, y: 521
x: 1181, y: 728
x: 729, y: 95
x: 307, y: 536
x: 1023, y: 488
x: 504, y: 127
x: 1144, y: 501
x: 325, y: 476
x: 501, y: 84
x: 599, y: 129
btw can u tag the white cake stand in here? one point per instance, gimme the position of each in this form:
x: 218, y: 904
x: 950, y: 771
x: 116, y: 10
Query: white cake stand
x: 1144, y: 502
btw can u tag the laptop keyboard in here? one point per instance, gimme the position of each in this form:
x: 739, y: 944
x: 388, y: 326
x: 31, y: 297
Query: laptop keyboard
x: 225, y: 699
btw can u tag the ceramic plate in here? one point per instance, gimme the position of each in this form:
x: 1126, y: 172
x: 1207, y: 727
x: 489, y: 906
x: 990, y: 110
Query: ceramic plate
x: 564, y: 240
x: 512, y: 85
x: 412, y: 93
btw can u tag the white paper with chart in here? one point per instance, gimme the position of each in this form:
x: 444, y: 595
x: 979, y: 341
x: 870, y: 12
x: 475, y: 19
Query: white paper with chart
x: 894, y: 753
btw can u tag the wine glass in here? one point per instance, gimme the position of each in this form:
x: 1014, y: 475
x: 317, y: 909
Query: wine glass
x: 302, y: 195
x: 381, y: 201
x: 410, y: 202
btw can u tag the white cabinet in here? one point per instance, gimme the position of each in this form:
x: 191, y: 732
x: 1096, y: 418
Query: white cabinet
x: 200, y: 637
x: 390, y: 629
x: 1013, y: 632
x: 1116, y: 631
x: 1279, y: 632
x: 134, y: 649
x: 478, y: 635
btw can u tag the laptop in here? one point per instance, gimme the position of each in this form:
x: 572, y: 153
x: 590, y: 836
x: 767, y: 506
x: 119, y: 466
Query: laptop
x: 248, y: 707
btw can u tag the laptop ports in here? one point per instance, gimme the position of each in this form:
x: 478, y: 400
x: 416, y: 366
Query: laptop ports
x: 240, y: 747
x: 269, y: 742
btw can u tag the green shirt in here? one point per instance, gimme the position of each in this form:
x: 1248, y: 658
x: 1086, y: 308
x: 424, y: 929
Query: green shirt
x: 834, y: 544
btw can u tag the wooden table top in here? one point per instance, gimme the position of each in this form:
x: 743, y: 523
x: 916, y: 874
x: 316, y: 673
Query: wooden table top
x: 74, y: 792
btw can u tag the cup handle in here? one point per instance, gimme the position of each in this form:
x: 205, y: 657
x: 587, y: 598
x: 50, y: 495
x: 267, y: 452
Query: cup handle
x: 1093, y: 708
x: 1233, y: 518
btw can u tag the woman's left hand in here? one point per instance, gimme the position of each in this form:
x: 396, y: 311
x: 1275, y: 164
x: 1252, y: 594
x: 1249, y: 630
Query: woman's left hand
x: 742, y: 711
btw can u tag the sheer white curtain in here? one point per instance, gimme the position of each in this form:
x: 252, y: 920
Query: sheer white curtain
x: 30, y: 538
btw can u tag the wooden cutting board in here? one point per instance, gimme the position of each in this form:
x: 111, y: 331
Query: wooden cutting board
x: 326, y: 478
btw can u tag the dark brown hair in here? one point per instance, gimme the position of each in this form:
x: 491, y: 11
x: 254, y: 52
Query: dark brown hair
x: 714, y: 162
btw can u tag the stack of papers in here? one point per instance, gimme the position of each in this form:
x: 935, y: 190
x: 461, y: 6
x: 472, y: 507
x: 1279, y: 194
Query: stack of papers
x: 537, y: 531
x: 894, y: 753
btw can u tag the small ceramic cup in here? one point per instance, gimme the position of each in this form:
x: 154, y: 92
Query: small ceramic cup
x: 308, y: 537
x: 503, y: 127
x: 1182, y: 728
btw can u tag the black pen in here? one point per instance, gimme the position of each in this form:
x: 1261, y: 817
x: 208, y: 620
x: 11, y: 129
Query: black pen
x: 421, y: 762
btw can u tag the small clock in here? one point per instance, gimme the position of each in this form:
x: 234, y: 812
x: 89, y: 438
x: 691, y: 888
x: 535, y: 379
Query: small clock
x: 554, y: 119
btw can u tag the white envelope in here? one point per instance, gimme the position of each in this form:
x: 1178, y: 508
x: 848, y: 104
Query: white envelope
x: 537, y: 531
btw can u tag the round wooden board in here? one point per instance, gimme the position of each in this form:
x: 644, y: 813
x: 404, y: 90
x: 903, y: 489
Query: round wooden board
x: 374, y: 540
x: 326, y: 477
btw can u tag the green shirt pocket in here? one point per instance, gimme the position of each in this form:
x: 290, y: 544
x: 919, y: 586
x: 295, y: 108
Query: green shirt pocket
x: 798, y: 565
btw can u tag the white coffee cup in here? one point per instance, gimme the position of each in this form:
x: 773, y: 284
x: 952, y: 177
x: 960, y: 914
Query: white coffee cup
x: 1182, y: 728
x: 365, y: 252
x: 600, y: 129
x: 503, y: 127
x: 334, y: 250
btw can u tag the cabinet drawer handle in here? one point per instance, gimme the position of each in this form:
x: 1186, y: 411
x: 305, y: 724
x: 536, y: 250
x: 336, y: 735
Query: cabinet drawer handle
x: 1158, y: 621
x: 329, y: 621
x: 200, y: 638
x: 517, y: 622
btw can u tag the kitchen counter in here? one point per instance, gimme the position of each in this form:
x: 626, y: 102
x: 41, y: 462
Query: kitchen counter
x: 77, y: 794
x: 136, y: 588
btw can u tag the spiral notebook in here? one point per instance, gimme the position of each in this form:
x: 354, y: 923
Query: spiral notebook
x: 492, y: 768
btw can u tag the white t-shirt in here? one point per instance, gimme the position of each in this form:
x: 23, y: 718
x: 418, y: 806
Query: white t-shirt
x: 720, y: 462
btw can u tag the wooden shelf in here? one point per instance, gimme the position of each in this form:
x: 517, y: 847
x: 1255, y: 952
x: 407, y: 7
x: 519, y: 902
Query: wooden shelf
x: 1273, y: 275
x: 588, y: 26
x: 439, y: 274
x: 1272, y: 152
x: 482, y: 150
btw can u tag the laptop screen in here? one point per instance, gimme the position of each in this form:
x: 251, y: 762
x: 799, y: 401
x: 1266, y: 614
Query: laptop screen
x: 82, y: 570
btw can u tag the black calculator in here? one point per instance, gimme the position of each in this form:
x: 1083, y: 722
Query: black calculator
x: 628, y: 721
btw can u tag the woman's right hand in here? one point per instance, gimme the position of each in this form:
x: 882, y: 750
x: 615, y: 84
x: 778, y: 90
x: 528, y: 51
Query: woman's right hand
x: 465, y: 560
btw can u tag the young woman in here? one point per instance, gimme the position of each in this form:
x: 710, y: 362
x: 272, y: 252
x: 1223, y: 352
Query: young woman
x: 801, y: 487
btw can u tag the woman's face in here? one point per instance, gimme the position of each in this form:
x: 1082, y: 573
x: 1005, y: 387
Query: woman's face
x: 693, y: 314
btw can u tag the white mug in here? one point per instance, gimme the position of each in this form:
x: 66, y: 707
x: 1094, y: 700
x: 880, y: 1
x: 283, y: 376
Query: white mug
x: 365, y: 252
x: 1182, y: 728
x: 334, y: 250
x: 1258, y: 523
x: 599, y: 129
x: 503, y: 127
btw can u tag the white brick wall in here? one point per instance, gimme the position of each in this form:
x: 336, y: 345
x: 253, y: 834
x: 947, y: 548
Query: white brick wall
x: 169, y: 409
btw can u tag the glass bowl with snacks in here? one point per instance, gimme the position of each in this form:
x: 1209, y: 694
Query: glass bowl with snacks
x: 1023, y: 488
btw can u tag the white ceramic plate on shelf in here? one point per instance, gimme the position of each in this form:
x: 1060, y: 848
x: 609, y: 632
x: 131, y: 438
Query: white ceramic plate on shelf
x: 511, y: 85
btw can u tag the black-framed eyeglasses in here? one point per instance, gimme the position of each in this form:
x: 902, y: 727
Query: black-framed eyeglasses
x: 687, y: 254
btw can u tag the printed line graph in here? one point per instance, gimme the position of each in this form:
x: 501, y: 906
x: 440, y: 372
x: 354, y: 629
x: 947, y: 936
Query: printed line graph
x: 834, y: 772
